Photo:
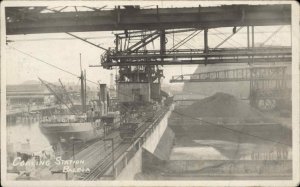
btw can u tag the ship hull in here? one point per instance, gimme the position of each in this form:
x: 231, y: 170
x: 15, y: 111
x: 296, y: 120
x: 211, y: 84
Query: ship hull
x: 68, y: 133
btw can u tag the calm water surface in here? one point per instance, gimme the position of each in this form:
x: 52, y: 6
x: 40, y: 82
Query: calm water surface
x: 24, y: 133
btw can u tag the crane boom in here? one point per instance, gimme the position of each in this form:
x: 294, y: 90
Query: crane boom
x: 57, y: 96
x: 65, y: 91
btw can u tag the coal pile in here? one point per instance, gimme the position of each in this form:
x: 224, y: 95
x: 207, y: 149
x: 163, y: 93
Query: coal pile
x: 222, y: 105
x: 226, y: 118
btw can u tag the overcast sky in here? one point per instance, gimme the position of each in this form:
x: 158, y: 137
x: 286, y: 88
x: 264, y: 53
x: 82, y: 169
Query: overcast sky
x: 63, y: 51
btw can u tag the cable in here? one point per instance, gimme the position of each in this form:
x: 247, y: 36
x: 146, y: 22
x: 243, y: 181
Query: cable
x: 210, y: 123
x: 228, y: 42
x: 40, y: 60
x: 187, y: 45
x: 27, y: 54
x: 186, y: 39
x: 224, y: 127
x: 227, y: 36
x: 57, y: 38
x: 270, y: 37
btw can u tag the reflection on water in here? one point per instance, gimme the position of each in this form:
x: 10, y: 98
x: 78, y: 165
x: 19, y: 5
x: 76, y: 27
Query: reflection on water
x: 196, y: 153
x: 26, y: 142
x: 23, y: 133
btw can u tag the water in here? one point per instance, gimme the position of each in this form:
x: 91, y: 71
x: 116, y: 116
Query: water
x: 29, y: 134
x: 196, y: 153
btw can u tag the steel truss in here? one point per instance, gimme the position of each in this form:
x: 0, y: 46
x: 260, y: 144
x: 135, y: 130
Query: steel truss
x: 30, y: 20
x: 268, y: 84
x: 197, y: 56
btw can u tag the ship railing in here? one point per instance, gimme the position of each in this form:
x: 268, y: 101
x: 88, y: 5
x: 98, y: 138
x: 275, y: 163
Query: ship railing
x: 53, y: 121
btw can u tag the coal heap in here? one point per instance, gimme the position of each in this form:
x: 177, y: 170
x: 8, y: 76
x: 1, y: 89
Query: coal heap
x: 222, y: 105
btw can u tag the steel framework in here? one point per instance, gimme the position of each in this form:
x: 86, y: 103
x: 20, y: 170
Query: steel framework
x: 30, y: 20
x: 136, y: 63
x: 232, y: 75
x: 143, y: 26
x: 197, y: 56
x: 268, y: 84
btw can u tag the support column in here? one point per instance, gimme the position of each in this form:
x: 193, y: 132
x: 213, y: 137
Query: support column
x: 252, y: 43
x: 117, y: 43
x: 251, y: 96
x: 248, y: 38
x: 252, y: 36
x: 162, y: 42
x: 205, y: 43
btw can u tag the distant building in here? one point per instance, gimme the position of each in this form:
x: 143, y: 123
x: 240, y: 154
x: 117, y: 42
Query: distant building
x: 33, y: 93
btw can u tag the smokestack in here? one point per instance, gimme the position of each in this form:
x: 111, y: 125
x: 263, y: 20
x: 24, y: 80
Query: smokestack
x: 111, y: 81
x: 103, y: 96
x: 100, y: 102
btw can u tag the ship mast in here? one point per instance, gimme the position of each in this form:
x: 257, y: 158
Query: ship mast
x: 82, y: 88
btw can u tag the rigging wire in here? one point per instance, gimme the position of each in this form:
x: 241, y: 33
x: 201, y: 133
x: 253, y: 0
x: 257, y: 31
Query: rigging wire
x: 56, y: 67
x: 233, y: 45
x: 40, y: 60
x: 58, y: 38
x: 210, y: 123
x: 271, y: 36
x: 186, y: 39
x: 183, y: 40
x: 227, y: 36
x: 230, y: 129
x: 187, y: 45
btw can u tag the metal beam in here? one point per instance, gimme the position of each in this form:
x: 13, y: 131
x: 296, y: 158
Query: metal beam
x: 197, y: 56
x: 185, y: 40
x: 256, y: 73
x: 208, y: 61
x: 275, y: 32
x: 198, y: 53
x: 143, y: 42
x: 162, y: 41
x: 205, y: 40
x: 222, y: 42
x: 248, y: 37
x: 143, y: 19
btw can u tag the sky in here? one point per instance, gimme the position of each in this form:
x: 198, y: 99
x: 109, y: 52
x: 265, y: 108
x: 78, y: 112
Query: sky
x: 63, y: 51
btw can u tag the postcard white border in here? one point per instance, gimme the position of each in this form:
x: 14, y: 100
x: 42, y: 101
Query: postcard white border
x: 295, y: 106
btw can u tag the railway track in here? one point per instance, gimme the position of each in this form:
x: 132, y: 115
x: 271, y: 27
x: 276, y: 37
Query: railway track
x: 90, y: 154
x: 106, y: 161
x: 104, y: 164
x: 120, y: 147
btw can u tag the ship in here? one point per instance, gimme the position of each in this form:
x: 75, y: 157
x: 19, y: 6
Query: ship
x: 66, y: 128
x: 78, y: 123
